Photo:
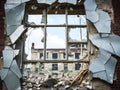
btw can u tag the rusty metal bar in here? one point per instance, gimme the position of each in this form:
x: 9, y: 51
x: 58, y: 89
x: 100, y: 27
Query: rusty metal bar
x: 56, y: 61
x: 82, y: 26
x: 45, y: 33
x: 66, y: 14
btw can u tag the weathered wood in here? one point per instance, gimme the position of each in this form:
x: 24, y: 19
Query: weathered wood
x: 80, y: 76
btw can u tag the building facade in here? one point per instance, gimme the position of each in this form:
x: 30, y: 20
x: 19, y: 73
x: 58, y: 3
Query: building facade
x: 56, y: 60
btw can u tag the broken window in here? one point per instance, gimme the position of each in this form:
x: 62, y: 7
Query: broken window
x: 59, y: 32
x: 76, y: 19
x: 77, y: 34
x: 55, y: 38
x: 35, y: 36
x: 34, y: 19
x: 56, y: 19
x: 59, y: 27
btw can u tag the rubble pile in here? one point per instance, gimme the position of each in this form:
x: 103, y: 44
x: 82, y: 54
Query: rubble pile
x: 39, y: 81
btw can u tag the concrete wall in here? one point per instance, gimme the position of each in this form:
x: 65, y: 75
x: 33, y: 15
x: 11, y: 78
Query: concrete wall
x: 47, y: 70
x: 35, y: 55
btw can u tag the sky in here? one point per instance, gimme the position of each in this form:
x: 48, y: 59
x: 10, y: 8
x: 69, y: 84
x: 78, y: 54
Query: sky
x: 55, y: 36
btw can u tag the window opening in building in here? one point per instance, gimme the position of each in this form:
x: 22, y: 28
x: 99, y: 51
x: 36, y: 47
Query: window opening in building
x: 77, y: 55
x: 54, y: 66
x: 41, y: 55
x: 64, y: 55
x: 77, y: 35
x: 65, y: 67
x: 77, y: 66
x: 60, y: 27
x: 59, y: 36
x: 34, y: 41
x: 54, y: 56
x: 34, y: 19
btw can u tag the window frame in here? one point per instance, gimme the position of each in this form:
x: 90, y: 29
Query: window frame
x: 44, y: 12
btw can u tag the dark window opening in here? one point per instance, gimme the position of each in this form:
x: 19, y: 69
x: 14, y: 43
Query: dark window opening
x: 54, y: 66
x: 66, y: 67
x: 41, y: 55
x: 64, y: 54
x: 77, y: 66
x: 59, y: 26
x: 77, y: 55
x: 54, y: 56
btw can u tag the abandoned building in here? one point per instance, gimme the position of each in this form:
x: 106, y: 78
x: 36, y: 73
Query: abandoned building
x: 59, y: 45
x: 57, y: 57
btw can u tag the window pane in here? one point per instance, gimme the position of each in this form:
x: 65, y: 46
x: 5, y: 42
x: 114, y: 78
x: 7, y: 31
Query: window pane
x: 56, y: 19
x: 56, y: 41
x: 77, y: 34
x: 35, y: 19
x: 55, y: 37
x: 35, y: 40
x: 76, y: 20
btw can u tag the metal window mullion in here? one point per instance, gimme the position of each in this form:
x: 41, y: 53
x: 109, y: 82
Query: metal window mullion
x: 81, y: 50
x: 45, y: 33
x: 88, y: 42
x: 66, y: 14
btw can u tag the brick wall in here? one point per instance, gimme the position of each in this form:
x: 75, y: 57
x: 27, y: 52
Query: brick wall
x: 2, y: 14
x: 116, y: 30
x: 2, y: 37
x: 116, y: 24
